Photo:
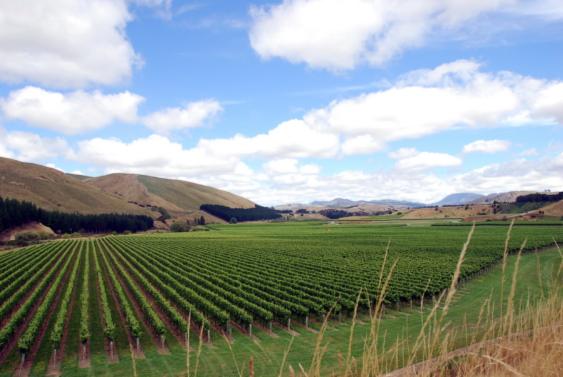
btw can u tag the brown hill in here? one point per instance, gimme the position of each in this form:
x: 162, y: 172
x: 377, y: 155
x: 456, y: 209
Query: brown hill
x: 449, y: 212
x: 178, y: 197
x: 553, y: 209
x: 503, y: 197
x: 53, y: 190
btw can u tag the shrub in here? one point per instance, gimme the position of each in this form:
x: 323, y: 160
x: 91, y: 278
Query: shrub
x: 179, y: 227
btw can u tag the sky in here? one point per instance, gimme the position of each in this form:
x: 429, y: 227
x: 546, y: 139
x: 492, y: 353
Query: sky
x: 290, y: 100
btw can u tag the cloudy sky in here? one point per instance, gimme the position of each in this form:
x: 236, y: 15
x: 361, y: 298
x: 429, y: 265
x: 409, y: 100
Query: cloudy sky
x: 293, y: 100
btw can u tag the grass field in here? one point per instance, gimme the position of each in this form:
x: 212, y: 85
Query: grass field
x: 356, y: 247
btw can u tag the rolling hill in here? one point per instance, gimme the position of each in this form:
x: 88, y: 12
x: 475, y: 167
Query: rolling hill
x: 553, y: 209
x: 53, y: 190
x: 177, y: 197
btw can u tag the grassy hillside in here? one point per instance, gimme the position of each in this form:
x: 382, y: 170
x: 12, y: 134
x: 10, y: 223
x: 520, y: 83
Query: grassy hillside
x: 554, y: 209
x: 174, y: 195
x: 53, y: 190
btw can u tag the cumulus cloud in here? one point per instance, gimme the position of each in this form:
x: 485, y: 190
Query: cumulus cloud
x: 424, y: 102
x: 155, y: 154
x: 361, y: 144
x: 61, y: 43
x: 486, y: 146
x: 70, y: 113
x: 30, y: 147
x: 194, y: 114
x: 411, y: 159
x: 520, y: 174
x: 291, y: 139
x: 339, y: 35
x: 281, y: 180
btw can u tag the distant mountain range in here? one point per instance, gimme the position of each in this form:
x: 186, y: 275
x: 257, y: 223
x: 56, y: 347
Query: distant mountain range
x: 449, y: 200
x: 460, y: 198
x: 342, y: 203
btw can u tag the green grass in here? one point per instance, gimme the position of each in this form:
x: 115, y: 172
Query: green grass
x: 218, y: 360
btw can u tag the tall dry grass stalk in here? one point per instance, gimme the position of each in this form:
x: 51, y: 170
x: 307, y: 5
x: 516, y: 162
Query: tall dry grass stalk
x: 525, y: 339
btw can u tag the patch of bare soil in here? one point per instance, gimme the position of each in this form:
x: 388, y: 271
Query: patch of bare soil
x: 265, y: 329
x: 35, y: 227
x: 286, y: 328
x: 244, y: 330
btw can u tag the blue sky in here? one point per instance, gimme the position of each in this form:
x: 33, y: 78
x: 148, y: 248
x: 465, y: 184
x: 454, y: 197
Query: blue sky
x: 290, y: 101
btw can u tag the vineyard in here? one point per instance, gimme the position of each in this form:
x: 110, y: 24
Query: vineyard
x: 84, y: 303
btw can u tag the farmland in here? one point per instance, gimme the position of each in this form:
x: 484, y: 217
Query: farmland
x: 95, y: 306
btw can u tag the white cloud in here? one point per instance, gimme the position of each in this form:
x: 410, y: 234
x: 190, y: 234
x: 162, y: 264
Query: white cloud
x: 521, y: 174
x: 194, y: 114
x: 282, y: 180
x: 290, y: 139
x: 30, y: 147
x: 411, y: 159
x: 548, y: 102
x: 156, y: 155
x: 362, y: 144
x: 424, y: 102
x: 420, y: 103
x: 339, y: 35
x: 486, y: 146
x: 62, y: 43
x: 70, y: 113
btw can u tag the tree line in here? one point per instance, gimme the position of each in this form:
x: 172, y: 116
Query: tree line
x: 14, y: 213
x: 241, y: 214
x: 539, y: 198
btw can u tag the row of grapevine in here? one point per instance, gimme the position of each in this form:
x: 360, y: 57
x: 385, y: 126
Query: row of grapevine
x: 30, y: 334
x: 201, y: 303
x: 238, y: 314
x: 164, y: 304
x: 109, y: 325
x: 130, y: 318
x: 14, y: 272
x: 85, y: 298
x: 170, y: 293
x: 154, y: 320
x: 23, y: 288
x: 58, y: 326
x: 23, y: 311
